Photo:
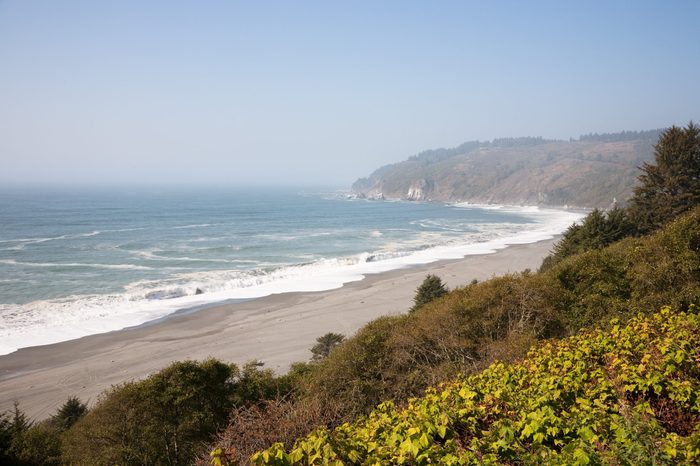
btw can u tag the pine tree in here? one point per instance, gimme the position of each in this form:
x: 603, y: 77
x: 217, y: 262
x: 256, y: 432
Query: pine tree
x: 597, y: 230
x: 672, y: 185
x: 68, y: 414
x: 431, y: 289
x: 325, y: 344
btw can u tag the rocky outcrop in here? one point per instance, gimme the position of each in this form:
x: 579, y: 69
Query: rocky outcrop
x: 419, y: 191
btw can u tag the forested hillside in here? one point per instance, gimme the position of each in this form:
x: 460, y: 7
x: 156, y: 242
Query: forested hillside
x: 593, y: 171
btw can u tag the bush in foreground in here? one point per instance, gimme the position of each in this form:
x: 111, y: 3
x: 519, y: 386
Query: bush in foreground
x: 168, y: 417
x: 628, y: 395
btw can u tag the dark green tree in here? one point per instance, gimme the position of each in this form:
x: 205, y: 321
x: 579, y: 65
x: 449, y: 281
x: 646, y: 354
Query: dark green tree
x: 161, y: 420
x: 13, y: 427
x: 40, y: 445
x: 325, y: 344
x: 68, y: 414
x: 597, y: 230
x: 166, y: 418
x: 431, y: 289
x: 672, y: 185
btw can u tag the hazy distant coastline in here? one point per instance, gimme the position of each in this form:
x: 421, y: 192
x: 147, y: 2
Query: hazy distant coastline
x: 595, y: 170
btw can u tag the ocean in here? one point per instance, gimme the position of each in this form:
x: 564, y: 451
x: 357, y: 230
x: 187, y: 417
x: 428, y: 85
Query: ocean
x: 80, y: 262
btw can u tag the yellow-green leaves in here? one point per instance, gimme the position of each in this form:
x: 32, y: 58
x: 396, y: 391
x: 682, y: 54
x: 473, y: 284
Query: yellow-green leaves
x: 589, y: 399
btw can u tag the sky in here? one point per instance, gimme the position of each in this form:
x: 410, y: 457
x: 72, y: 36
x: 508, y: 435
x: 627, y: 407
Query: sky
x: 321, y: 93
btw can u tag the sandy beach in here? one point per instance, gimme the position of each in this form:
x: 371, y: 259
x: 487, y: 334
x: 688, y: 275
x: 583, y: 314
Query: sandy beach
x: 276, y: 330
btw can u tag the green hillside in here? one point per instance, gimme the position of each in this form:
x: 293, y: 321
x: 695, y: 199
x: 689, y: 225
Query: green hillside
x: 629, y: 395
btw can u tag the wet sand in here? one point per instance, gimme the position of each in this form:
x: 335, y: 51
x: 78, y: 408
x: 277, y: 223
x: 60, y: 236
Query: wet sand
x: 277, y: 330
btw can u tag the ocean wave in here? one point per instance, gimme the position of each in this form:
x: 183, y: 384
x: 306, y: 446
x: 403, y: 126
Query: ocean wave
x: 151, y: 255
x: 76, y: 264
x: 456, y: 226
x: 25, y: 241
x: 501, y: 207
x: 197, y: 225
x: 121, y: 230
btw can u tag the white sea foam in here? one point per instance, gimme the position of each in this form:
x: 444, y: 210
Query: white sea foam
x: 152, y: 256
x: 51, y: 321
x: 197, y: 225
x: 76, y: 264
x: 21, y: 243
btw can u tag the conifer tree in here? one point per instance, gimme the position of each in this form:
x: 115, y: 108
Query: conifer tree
x: 431, y: 289
x: 69, y: 413
x: 325, y: 344
x: 672, y: 185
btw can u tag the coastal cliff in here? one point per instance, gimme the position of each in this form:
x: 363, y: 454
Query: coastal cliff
x: 592, y: 171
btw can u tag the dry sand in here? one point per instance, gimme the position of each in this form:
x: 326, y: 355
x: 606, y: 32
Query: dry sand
x: 276, y: 330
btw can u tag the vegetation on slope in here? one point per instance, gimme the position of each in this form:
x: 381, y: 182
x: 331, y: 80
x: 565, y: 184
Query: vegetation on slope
x: 590, y: 172
x: 666, y: 189
x: 164, y: 419
x: 671, y: 185
x: 628, y: 395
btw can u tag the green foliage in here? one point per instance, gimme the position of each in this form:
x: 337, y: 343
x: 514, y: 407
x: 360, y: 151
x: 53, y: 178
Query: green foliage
x: 351, y: 374
x: 597, y: 230
x: 69, y: 413
x: 40, y: 445
x: 431, y: 289
x: 325, y: 344
x: 630, y: 276
x: 627, y: 395
x: 672, y: 185
x: 13, y: 425
x: 165, y: 418
x: 393, y: 358
x: 666, y: 189
x: 254, y: 384
x: 24, y: 443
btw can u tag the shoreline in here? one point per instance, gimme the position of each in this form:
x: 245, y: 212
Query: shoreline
x: 88, y: 314
x: 277, y: 329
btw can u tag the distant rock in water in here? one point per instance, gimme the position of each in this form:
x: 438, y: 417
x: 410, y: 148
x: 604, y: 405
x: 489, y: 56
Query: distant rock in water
x: 165, y: 294
x: 198, y: 291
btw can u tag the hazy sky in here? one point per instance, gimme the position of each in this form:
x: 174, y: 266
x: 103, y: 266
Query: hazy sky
x: 301, y: 92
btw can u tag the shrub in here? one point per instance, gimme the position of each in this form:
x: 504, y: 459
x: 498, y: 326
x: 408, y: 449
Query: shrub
x: 598, y: 230
x: 626, y: 395
x: 431, y: 289
x: 160, y: 420
x: 256, y: 427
